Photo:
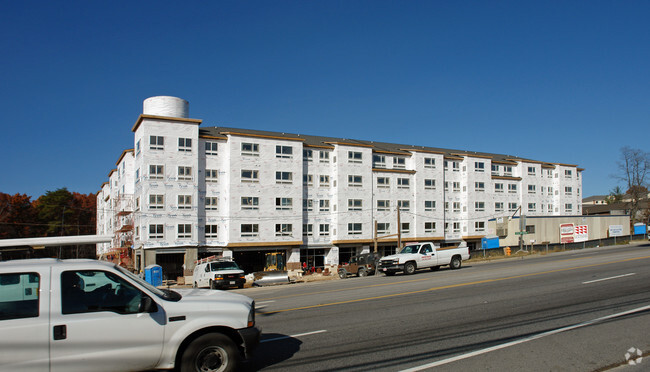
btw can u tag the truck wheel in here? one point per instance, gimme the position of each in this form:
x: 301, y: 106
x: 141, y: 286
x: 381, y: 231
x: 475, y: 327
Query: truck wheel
x: 455, y: 263
x: 409, y: 268
x: 343, y: 274
x: 210, y: 352
x: 213, y: 285
x: 435, y: 268
x: 362, y: 272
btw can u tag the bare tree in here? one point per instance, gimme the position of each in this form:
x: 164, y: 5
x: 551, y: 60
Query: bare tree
x: 633, y: 170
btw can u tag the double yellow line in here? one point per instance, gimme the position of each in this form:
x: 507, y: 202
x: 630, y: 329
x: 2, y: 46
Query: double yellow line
x: 434, y: 288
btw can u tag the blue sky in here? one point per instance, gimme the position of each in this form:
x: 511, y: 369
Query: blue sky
x: 557, y: 81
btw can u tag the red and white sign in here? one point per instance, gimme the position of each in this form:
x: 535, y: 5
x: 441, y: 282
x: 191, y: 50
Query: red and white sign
x: 566, y: 233
x: 581, y: 233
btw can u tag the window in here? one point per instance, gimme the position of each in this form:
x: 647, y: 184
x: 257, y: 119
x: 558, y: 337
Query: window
x: 307, y: 205
x: 156, y: 201
x: 531, y: 171
x: 429, y: 227
x: 567, y: 173
x: 456, y: 186
x: 479, y: 166
x: 403, y: 183
x: 429, y: 184
x: 568, y: 208
x: 184, y: 173
x: 250, y: 149
x: 479, y: 186
x: 211, y: 148
x: 324, y: 229
x: 184, y: 201
x: 354, y: 229
x: 137, y: 204
x: 446, y: 206
x: 283, y: 152
x: 283, y: 204
x: 383, y: 205
x: 498, y: 207
x: 156, y: 172
x: 530, y: 229
x: 429, y: 162
x: 307, y: 229
x: 185, y: 144
x: 495, y: 169
x: 308, y: 179
x: 404, y: 205
x: 211, y: 231
x: 456, y: 206
x: 324, y: 157
x: 156, y: 231
x: 79, y: 293
x: 399, y: 163
x: 324, y: 205
x: 429, y: 205
x: 455, y: 166
x: 406, y: 227
x: 479, y: 206
x: 355, y: 204
x: 379, y: 161
x: 479, y: 226
x: 308, y: 155
x: 249, y: 175
x: 249, y: 230
x: 354, y: 157
x: 531, y: 189
x: 283, y: 177
x: 250, y: 203
x: 512, y: 207
x: 512, y: 188
x: 532, y: 207
x: 568, y: 190
x: 19, y: 295
x: 211, y: 175
x: 156, y: 143
x: 184, y: 231
x: 456, y: 227
x: 446, y: 185
x: 324, y: 181
x: 211, y: 203
x: 283, y: 229
x: 550, y: 190
x: 383, y: 228
x: 507, y: 170
x: 355, y: 181
x: 137, y: 148
x: 383, y: 182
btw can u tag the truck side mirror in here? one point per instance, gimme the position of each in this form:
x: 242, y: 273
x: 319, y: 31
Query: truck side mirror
x: 147, y: 305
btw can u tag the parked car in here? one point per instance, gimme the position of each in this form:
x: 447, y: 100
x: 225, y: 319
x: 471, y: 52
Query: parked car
x: 360, y: 265
x: 424, y: 255
x: 219, y: 273
x: 87, y: 315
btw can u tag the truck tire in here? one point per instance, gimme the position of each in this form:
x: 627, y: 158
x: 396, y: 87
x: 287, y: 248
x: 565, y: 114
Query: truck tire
x: 195, y: 285
x: 343, y: 274
x: 210, y: 352
x: 213, y: 285
x: 409, y: 268
x: 455, y: 263
x: 362, y: 272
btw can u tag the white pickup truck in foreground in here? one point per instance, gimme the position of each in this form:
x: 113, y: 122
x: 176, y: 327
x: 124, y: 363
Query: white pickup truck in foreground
x: 422, y: 255
x: 87, y: 315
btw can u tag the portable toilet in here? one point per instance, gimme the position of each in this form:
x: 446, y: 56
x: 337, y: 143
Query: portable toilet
x: 153, y: 275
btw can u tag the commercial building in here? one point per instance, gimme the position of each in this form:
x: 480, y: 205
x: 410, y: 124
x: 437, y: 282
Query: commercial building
x: 186, y: 191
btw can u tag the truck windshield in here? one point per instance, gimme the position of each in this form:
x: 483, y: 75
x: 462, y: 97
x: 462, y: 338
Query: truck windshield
x: 225, y: 265
x: 411, y: 249
x: 164, y: 294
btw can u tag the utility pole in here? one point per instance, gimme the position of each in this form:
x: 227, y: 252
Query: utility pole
x: 399, y: 231
x: 375, y: 236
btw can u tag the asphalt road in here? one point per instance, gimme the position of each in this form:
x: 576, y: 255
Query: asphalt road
x: 572, y: 311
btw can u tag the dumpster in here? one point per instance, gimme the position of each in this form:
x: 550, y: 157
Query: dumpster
x: 153, y: 275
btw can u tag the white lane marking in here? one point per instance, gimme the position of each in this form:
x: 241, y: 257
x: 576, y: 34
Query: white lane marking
x: 612, y: 277
x: 293, y: 336
x: 264, y: 302
x: 522, y: 340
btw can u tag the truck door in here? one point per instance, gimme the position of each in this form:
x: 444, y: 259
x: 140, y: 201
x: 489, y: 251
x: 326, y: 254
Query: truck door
x: 24, y: 320
x: 97, y: 323
x: 427, y: 257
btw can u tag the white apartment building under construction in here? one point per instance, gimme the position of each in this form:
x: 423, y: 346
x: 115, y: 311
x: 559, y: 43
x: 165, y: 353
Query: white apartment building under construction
x: 185, y: 191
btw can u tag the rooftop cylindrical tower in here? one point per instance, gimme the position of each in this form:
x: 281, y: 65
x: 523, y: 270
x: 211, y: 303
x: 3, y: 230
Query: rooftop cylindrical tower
x: 166, y: 106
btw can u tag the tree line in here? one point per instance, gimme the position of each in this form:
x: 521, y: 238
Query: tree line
x: 56, y: 213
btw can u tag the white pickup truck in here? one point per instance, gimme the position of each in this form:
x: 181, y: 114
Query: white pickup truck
x: 422, y: 255
x: 87, y: 315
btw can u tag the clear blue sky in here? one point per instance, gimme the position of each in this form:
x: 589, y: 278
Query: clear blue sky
x: 557, y: 81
